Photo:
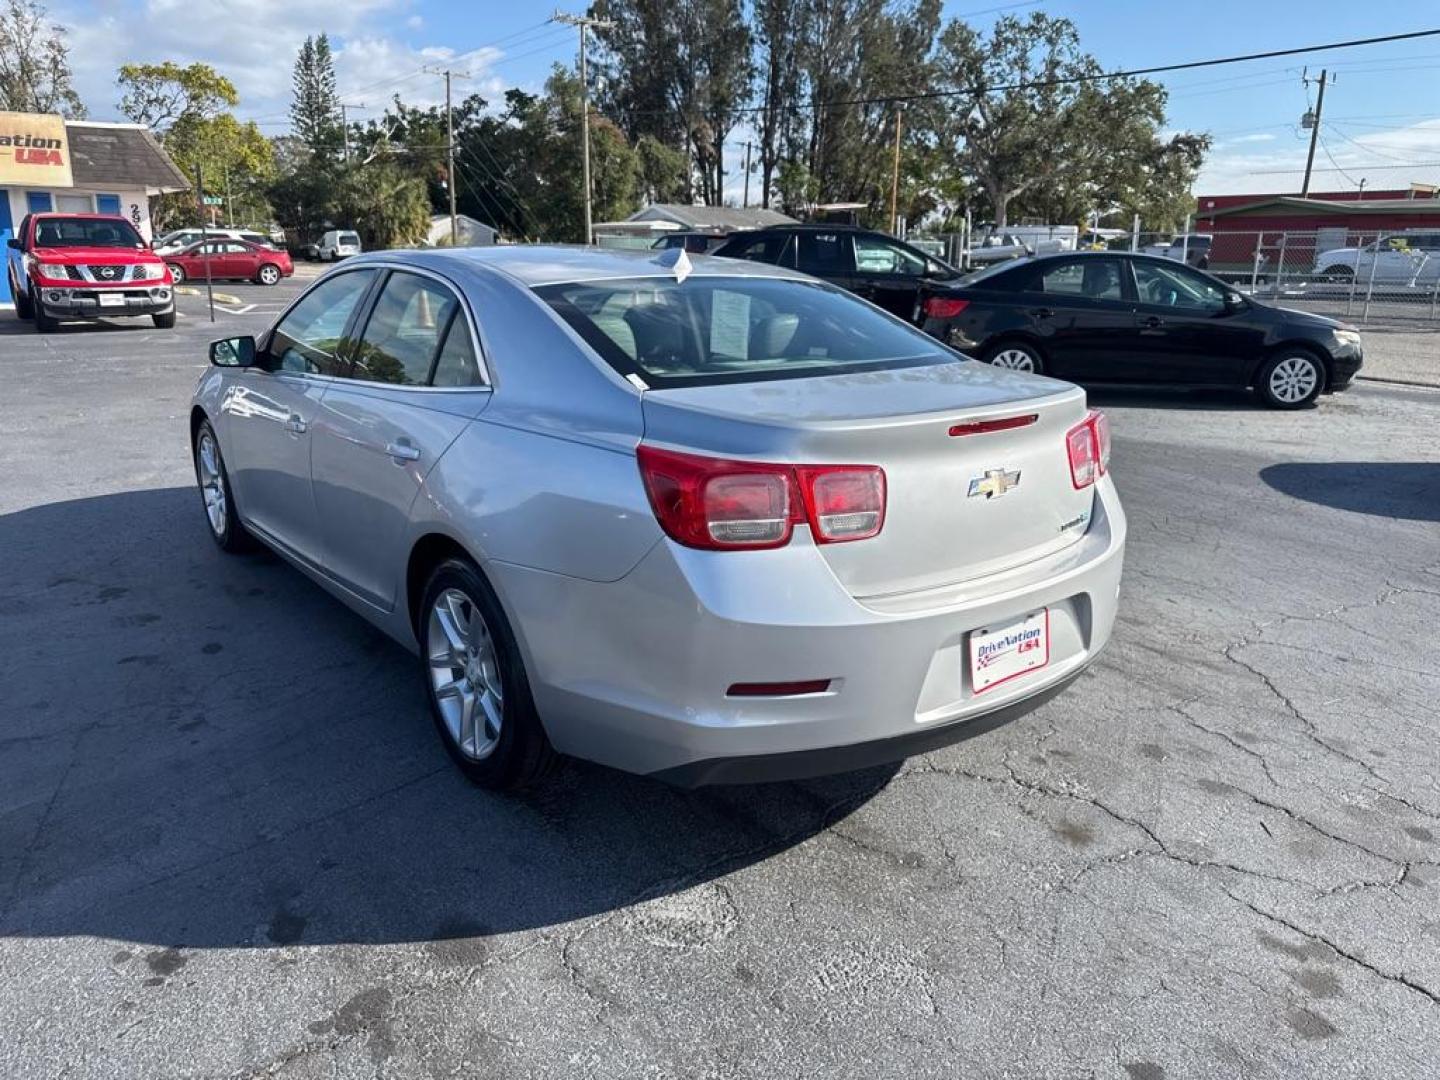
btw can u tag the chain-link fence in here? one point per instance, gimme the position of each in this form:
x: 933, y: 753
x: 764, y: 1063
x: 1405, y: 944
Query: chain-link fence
x: 1371, y: 278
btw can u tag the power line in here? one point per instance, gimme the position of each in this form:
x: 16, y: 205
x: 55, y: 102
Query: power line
x: 1070, y: 80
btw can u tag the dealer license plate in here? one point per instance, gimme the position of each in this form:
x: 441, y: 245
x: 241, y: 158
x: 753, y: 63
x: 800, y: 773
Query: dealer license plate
x: 111, y: 299
x: 1001, y: 653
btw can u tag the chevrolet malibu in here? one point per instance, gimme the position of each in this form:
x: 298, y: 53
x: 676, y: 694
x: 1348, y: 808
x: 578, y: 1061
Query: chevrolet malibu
x: 710, y: 521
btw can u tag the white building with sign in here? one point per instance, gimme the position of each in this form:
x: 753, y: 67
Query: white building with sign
x: 79, y: 167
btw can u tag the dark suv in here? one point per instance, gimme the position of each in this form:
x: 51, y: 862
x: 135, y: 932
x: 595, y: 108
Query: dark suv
x: 878, y: 267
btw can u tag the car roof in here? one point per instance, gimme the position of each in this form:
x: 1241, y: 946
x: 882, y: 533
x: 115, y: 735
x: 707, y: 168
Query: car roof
x: 552, y: 264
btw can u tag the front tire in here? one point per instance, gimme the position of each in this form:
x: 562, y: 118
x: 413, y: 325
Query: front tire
x: 1291, y: 379
x: 1016, y: 356
x: 475, y: 682
x: 44, y: 324
x: 163, y: 320
x: 215, y: 495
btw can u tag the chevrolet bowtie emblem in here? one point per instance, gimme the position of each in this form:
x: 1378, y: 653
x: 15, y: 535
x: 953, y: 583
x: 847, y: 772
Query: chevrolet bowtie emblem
x: 994, y: 483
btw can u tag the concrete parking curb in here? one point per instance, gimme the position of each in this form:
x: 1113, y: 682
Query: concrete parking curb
x: 220, y: 297
x: 1399, y: 382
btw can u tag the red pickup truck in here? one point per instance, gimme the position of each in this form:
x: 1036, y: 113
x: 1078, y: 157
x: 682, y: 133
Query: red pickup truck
x: 85, y: 266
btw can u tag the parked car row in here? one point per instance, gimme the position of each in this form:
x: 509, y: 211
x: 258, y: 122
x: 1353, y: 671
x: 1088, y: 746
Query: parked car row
x: 234, y: 259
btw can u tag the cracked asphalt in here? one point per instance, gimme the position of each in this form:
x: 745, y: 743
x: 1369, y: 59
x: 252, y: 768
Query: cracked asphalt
x: 231, y: 846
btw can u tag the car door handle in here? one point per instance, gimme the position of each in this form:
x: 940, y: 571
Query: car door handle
x: 1043, y: 312
x: 295, y: 423
x: 1152, y: 322
x: 402, y: 451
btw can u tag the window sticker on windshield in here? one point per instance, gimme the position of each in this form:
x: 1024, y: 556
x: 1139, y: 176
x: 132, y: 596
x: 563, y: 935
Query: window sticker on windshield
x: 730, y: 324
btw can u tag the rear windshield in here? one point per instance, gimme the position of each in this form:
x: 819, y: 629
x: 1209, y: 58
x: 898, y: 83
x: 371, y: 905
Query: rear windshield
x: 86, y: 232
x: 348, y: 238
x: 736, y: 329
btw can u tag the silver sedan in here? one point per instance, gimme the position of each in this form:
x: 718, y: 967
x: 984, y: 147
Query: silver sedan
x: 711, y: 521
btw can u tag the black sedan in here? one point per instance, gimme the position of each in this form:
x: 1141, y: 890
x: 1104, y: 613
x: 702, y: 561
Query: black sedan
x: 1105, y: 317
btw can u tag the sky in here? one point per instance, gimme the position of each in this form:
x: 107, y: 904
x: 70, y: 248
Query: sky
x: 1382, y: 112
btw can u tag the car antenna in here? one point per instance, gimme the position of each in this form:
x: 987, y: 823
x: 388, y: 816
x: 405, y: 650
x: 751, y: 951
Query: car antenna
x: 675, y: 259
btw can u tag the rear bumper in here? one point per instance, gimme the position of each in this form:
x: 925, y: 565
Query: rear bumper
x: 634, y: 673
x: 68, y: 303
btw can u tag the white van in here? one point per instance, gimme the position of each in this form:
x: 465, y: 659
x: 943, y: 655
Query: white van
x: 336, y: 244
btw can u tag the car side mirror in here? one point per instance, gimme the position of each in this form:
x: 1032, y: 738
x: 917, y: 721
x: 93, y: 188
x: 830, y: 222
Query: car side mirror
x: 13, y: 242
x: 1234, y: 301
x: 236, y: 352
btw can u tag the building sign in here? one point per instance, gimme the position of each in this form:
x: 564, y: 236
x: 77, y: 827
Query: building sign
x: 34, y: 151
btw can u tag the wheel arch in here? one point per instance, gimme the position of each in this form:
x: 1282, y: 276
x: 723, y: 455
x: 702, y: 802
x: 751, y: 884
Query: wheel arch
x: 427, y: 552
x: 1009, y: 337
x: 197, y: 417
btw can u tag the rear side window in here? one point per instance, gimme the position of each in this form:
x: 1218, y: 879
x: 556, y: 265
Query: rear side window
x: 736, y: 329
x: 457, y: 365
x: 308, y: 337
x: 825, y: 253
x: 404, y: 331
x: 1097, y: 279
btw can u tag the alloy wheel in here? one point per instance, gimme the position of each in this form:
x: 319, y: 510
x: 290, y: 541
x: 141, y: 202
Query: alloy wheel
x: 212, y: 483
x: 1294, y: 379
x: 1013, y: 360
x: 465, y: 674
x: 269, y: 275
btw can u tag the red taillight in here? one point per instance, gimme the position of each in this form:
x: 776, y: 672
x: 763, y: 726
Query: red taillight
x: 944, y: 307
x: 1088, y: 445
x: 718, y: 504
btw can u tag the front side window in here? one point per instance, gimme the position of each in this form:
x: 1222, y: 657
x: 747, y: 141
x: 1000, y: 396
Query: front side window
x: 1166, y: 286
x: 308, y: 337
x: 86, y: 232
x: 766, y: 249
x: 736, y: 329
x: 876, y: 256
x: 1094, y: 279
x: 404, y: 332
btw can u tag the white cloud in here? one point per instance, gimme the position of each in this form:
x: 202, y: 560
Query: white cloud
x: 253, y: 43
x: 1258, y: 137
x: 1385, y: 159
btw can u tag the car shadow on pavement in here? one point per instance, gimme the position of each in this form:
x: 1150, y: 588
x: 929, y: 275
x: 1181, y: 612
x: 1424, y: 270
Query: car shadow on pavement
x: 1405, y: 490
x: 199, y: 750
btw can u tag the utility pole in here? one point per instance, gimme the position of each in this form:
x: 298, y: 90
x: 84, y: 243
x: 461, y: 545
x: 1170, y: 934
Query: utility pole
x: 895, y: 178
x: 345, y: 127
x: 450, y: 149
x: 1312, y: 121
x: 584, y: 23
x: 747, y: 174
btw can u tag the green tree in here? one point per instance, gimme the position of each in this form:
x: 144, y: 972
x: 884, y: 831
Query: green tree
x: 664, y: 171
x: 35, y: 72
x: 315, y: 111
x: 780, y: 28
x: 157, y: 95
x: 1058, y: 142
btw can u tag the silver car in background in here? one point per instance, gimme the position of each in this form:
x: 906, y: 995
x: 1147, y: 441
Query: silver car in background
x: 713, y: 522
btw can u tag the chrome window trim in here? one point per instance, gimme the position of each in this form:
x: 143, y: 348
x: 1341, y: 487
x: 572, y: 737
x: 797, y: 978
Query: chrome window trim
x: 487, y: 384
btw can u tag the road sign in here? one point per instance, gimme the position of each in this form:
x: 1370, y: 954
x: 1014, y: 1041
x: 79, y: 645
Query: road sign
x: 213, y: 200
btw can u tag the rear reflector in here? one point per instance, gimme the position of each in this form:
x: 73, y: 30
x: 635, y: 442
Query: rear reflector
x: 1088, y: 446
x: 778, y: 689
x: 980, y: 427
x: 944, y: 307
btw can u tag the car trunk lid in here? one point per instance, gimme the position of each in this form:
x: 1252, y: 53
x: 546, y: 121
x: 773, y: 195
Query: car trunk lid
x: 959, y: 506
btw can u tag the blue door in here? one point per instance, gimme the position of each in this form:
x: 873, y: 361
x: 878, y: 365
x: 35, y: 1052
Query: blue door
x: 7, y: 230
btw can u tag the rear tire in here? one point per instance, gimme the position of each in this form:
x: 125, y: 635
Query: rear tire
x: 177, y: 273
x: 1016, y: 356
x: 475, y: 682
x: 268, y: 274
x: 164, y: 320
x: 1291, y: 379
x: 1338, y: 272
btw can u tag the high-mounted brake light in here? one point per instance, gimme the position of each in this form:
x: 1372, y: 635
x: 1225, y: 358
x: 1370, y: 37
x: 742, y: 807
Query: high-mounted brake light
x: 944, y: 307
x: 1004, y: 423
x: 719, y: 504
x: 1088, y: 446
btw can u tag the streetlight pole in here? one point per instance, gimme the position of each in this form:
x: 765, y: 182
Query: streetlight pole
x: 584, y: 23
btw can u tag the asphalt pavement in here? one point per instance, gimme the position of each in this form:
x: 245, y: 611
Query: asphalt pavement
x: 232, y: 846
